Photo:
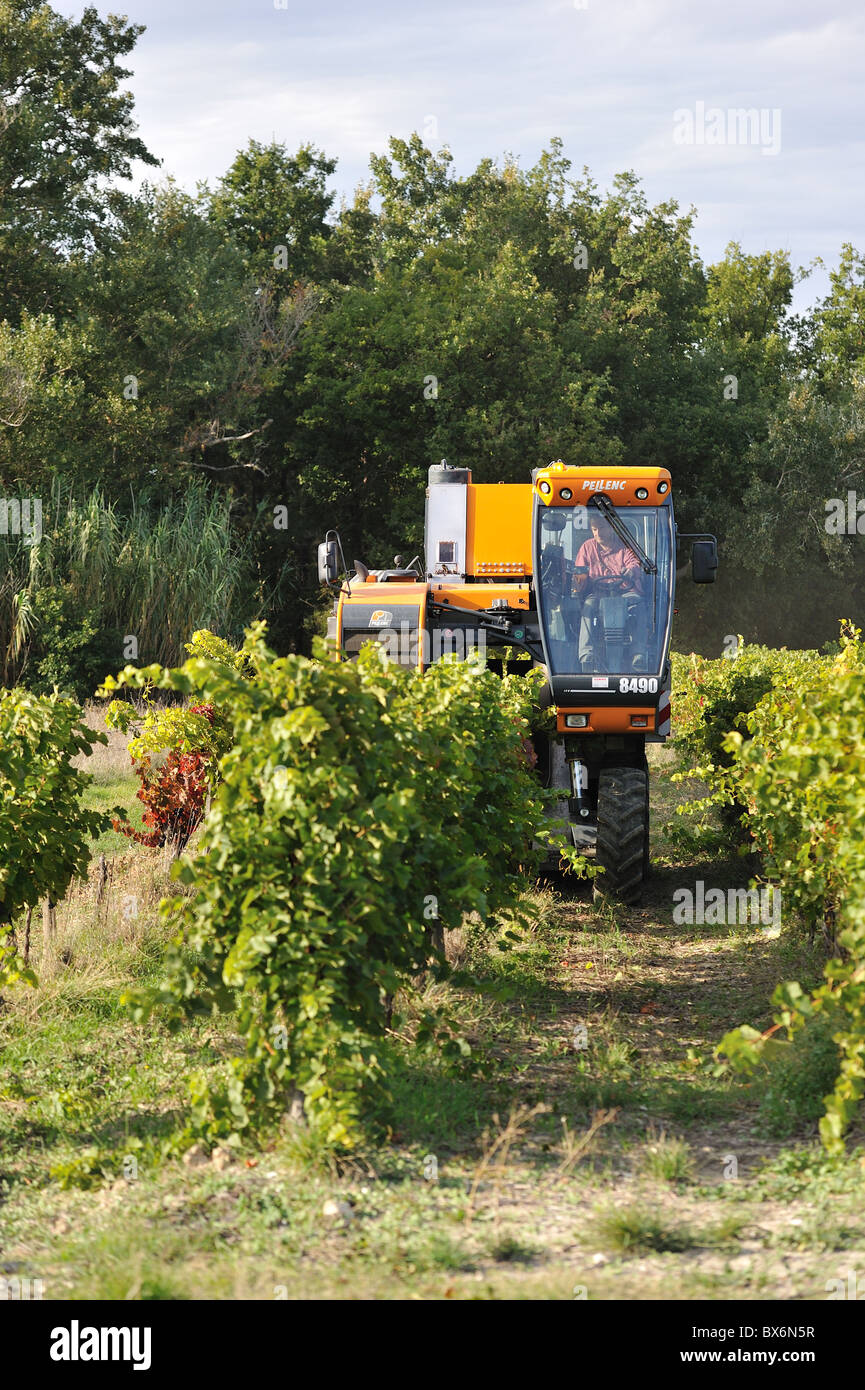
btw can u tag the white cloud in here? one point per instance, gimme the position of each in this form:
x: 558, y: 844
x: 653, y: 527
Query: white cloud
x: 506, y: 77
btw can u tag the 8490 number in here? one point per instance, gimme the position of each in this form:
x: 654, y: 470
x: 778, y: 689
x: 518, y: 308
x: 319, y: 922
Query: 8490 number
x: 638, y: 685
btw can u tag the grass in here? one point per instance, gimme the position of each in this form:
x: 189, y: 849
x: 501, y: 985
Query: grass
x: 586, y: 1143
x: 113, y: 783
x: 106, y: 797
x: 796, y: 1084
x: 151, y: 572
x: 667, y: 1160
x: 446, y: 1253
x: 637, y: 1229
x: 508, y: 1248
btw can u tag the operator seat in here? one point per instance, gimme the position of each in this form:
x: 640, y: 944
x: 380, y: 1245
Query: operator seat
x: 382, y: 576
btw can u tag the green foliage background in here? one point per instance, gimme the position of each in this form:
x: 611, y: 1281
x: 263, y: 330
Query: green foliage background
x: 257, y: 340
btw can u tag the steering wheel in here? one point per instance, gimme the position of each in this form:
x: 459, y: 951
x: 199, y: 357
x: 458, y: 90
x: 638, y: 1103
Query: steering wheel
x: 612, y: 581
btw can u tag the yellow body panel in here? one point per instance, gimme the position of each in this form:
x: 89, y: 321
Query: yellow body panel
x: 362, y: 591
x: 499, y: 530
x: 609, y: 721
x: 387, y: 608
x: 620, y: 485
x: 478, y: 595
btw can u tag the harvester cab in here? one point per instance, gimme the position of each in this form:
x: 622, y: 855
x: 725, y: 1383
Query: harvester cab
x: 576, y: 572
x: 604, y: 588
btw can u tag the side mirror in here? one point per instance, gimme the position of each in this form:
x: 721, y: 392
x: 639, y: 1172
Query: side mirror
x: 704, y: 561
x: 328, y: 562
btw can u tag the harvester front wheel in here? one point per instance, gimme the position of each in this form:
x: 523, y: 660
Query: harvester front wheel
x: 622, y: 833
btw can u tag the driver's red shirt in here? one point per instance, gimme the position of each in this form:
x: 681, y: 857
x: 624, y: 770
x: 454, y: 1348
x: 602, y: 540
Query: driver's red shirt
x: 610, y: 563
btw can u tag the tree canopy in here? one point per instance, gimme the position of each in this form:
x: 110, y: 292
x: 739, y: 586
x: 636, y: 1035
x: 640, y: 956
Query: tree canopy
x: 310, y: 360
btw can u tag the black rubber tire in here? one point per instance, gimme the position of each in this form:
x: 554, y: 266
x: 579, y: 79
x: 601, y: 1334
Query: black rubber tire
x: 622, y: 833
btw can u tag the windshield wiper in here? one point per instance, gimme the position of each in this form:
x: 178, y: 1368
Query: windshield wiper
x: 607, y: 510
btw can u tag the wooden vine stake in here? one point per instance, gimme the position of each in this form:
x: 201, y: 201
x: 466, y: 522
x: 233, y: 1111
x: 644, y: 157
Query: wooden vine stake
x: 101, y: 878
x: 49, y: 921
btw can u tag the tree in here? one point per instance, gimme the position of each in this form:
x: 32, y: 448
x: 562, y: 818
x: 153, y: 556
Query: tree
x: 748, y: 297
x: 163, y: 366
x: 839, y: 327
x: 274, y: 206
x: 477, y: 337
x: 66, y: 127
x: 790, y: 556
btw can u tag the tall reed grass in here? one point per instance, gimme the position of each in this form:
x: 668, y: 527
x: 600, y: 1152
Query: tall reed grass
x: 157, y: 570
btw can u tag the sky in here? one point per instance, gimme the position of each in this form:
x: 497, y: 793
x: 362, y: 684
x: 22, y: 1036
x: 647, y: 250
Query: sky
x: 648, y: 85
